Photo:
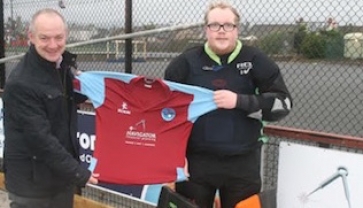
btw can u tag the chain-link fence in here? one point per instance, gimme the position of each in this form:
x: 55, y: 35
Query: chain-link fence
x: 318, y: 45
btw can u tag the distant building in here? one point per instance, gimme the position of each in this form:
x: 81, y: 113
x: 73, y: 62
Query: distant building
x: 331, y: 24
x: 82, y: 33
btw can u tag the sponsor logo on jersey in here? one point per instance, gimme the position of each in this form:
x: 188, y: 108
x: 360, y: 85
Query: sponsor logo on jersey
x: 138, y: 132
x: 124, y: 109
x: 168, y: 114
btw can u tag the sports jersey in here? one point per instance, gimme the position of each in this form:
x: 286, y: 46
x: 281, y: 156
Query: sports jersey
x: 142, y: 125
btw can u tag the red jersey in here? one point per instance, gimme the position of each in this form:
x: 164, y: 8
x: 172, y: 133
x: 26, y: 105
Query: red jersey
x: 142, y: 125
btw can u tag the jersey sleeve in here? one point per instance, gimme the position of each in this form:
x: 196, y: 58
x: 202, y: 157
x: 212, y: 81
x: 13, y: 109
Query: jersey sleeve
x: 202, y: 103
x: 92, y: 84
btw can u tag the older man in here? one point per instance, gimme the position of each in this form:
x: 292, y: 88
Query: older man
x: 40, y: 155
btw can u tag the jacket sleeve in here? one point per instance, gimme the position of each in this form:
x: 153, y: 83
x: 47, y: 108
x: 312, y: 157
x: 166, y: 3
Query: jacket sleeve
x: 177, y: 70
x: 272, y: 100
x: 27, y: 109
x: 79, y: 98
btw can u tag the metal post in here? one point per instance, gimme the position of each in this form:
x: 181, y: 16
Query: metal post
x: 128, y: 42
x: 11, y: 10
x: 2, y: 45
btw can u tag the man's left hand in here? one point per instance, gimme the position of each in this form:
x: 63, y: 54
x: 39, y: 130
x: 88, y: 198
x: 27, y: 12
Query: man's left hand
x: 225, y: 99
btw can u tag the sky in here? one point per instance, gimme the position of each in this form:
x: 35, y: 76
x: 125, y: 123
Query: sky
x: 108, y: 13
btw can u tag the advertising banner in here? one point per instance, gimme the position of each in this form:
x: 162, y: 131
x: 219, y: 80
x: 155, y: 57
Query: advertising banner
x: 311, y: 177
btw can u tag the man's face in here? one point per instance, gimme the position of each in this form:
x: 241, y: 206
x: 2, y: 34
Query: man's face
x: 221, y: 41
x: 49, y: 36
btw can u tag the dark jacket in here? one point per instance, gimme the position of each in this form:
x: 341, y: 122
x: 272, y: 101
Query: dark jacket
x: 262, y: 96
x: 40, y: 125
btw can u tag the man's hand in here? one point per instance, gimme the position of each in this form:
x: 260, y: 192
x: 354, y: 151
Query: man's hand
x: 78, y: 72
x: 225, y: 99
x: 186, y: 170
x: 93, y: 178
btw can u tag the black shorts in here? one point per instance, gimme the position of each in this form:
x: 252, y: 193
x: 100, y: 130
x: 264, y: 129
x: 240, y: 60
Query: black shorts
x: 236, y: 177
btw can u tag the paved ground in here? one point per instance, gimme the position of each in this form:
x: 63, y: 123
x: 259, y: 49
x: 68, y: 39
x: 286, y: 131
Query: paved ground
x: 4, y: 202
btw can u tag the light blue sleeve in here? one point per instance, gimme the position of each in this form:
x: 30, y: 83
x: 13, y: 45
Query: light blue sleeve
x: 151, y: 193
x: 202, y: 103
x: 92, y: 84
x: 92, y: 164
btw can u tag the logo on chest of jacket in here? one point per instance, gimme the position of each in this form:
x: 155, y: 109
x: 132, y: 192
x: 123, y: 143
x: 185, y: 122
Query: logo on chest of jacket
x: 212, y: 68
x: 244, y: 67
x: 219, y: 83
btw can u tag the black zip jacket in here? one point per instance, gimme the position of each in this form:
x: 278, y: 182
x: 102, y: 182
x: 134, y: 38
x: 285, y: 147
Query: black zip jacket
x: 40, y: 125
x: 261, y: 96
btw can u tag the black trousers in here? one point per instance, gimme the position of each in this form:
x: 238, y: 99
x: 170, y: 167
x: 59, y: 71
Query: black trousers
x: 61, y: 200
x: 236, y: 177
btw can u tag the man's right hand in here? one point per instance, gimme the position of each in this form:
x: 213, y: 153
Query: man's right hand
x: 94, y: 178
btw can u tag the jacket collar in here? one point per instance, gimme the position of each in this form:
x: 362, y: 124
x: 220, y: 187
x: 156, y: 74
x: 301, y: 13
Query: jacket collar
x: 68, y: 59
x: 217, y: 59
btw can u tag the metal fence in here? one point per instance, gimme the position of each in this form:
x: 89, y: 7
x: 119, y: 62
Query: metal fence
x: 318, y: 45
x: 114, y: 199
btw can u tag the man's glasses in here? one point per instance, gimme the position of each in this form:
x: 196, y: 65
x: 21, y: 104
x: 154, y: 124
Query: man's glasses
x: 228, y: 27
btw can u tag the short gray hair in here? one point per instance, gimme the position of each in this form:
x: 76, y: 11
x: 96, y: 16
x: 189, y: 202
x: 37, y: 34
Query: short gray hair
x: 45, y: 11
